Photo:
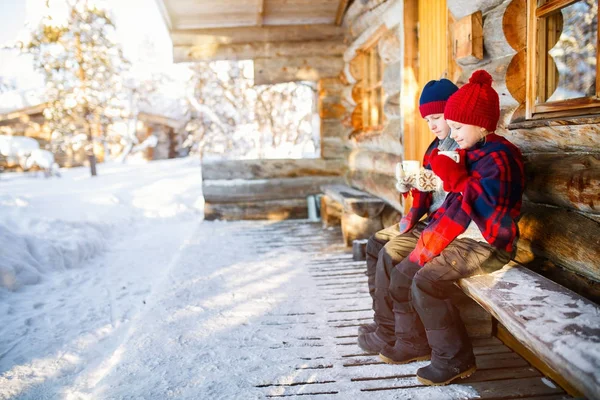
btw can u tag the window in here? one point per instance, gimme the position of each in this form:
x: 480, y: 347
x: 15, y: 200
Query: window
x: 562, y: 51
x: 371, y: 89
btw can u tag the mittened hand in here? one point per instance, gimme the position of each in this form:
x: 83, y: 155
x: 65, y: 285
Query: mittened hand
x: 454, y: 175
x: 406, y: 183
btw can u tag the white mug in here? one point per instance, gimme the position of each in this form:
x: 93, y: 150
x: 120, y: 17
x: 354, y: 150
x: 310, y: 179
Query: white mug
x: 411, y: 167
x: 452, y: 154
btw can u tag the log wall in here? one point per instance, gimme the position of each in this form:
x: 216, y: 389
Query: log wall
x: 264, y: 189
x: 560, y: 223
x: 561, y: 219
x: 374, y: 154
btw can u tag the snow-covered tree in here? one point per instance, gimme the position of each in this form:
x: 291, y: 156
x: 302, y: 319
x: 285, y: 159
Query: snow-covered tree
x: 229, y: 114
x: 83, y: 69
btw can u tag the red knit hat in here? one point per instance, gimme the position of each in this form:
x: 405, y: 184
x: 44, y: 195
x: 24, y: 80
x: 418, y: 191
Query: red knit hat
x: 475, y: 103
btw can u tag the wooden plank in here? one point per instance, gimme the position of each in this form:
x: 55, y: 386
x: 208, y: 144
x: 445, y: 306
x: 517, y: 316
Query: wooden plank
x: 264, y: 210
x: 355, y: 201
x: 555, y: 324
x: 288, y: 69
x: 293, y: 33
x: 238, y: 191
x: 266, y: 169
x: 509, y: 340
x: 247, y: 51
x: 467, y: 34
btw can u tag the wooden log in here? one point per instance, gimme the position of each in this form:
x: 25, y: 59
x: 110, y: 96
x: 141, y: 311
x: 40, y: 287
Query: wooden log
x: 494, y: 40
x: 334, y: 128
x: 250, y: 51
x: 251, y: 34
x: 366, y: 160
x: 288, y: 69
x: 239, y: 191
x: 552, y: 136
x: 555, y: 324
x: 566, y: 238
x: 331, y: 212
x: 382, y: 186
x: 257, y: 210
x: 389, y: 47
x: 333, y: 148
x: 460, y: 9
x: 392, y: 82
x: 266, y: 169
x: 356, y: 227
x: 515, y: 76
x: 571, y: 181
x: 514, y: 24
x: 355, y: 201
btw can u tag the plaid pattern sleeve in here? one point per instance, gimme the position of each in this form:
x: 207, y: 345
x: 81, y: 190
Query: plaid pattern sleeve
x: 421, y: 200
x: 492, y: 199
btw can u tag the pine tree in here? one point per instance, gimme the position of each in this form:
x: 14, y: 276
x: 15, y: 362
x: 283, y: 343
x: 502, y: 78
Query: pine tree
x: 83, y: 69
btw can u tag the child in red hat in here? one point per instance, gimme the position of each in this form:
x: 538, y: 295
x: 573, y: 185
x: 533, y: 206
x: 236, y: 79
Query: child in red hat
x: 473, y: 232
x: 389, y: 246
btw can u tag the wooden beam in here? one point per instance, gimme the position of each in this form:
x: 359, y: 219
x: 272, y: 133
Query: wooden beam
x: 254, y: 34
x: 290, y: 69
x: 239, y: 191
x: 268, y: 169
x: 250, y: 51
x: 276, y: 210
x: 339, y: 17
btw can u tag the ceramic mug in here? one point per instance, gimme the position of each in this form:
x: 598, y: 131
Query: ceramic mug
x: 452, y: 154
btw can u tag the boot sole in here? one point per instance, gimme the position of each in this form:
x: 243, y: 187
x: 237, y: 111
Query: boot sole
x: 462, y: 375
x: 388, y: 360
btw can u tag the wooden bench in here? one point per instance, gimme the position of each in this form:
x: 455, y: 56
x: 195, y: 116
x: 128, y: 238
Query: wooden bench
x: 358, y: 212
x: 555, y: 325
x: 555, y: 329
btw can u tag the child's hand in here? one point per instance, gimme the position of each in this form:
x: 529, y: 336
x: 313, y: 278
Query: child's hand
x: 454, y: 175
x: 406, y: 183
x: 428, y: 181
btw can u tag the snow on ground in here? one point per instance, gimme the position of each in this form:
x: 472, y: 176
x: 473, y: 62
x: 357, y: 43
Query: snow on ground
x: 79, y: 256
x: 125, y: 293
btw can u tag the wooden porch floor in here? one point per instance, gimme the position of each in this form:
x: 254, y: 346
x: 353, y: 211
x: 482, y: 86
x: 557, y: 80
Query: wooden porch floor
x: 334, y: 367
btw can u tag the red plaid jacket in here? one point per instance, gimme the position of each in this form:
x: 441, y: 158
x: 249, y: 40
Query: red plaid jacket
x: 492, y: 199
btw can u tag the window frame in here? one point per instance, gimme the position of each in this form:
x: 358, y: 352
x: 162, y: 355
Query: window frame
x: 555, y: 109
x: 371, y: 89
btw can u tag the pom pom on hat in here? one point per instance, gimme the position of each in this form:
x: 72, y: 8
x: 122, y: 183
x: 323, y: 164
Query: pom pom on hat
x: 475, y: 103
x: 481, y: 77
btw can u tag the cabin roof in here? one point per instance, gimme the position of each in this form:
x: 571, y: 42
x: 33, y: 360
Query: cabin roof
x: 223, y: 23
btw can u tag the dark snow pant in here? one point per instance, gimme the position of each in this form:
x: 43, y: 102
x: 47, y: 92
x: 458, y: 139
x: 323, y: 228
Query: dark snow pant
x: 385, y: 249
x: 421, y: 304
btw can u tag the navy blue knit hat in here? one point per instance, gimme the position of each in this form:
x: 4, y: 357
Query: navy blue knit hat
x: 434, y: 96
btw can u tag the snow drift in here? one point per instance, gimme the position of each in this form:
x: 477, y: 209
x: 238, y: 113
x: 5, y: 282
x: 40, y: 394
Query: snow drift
x: 35, y: 247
